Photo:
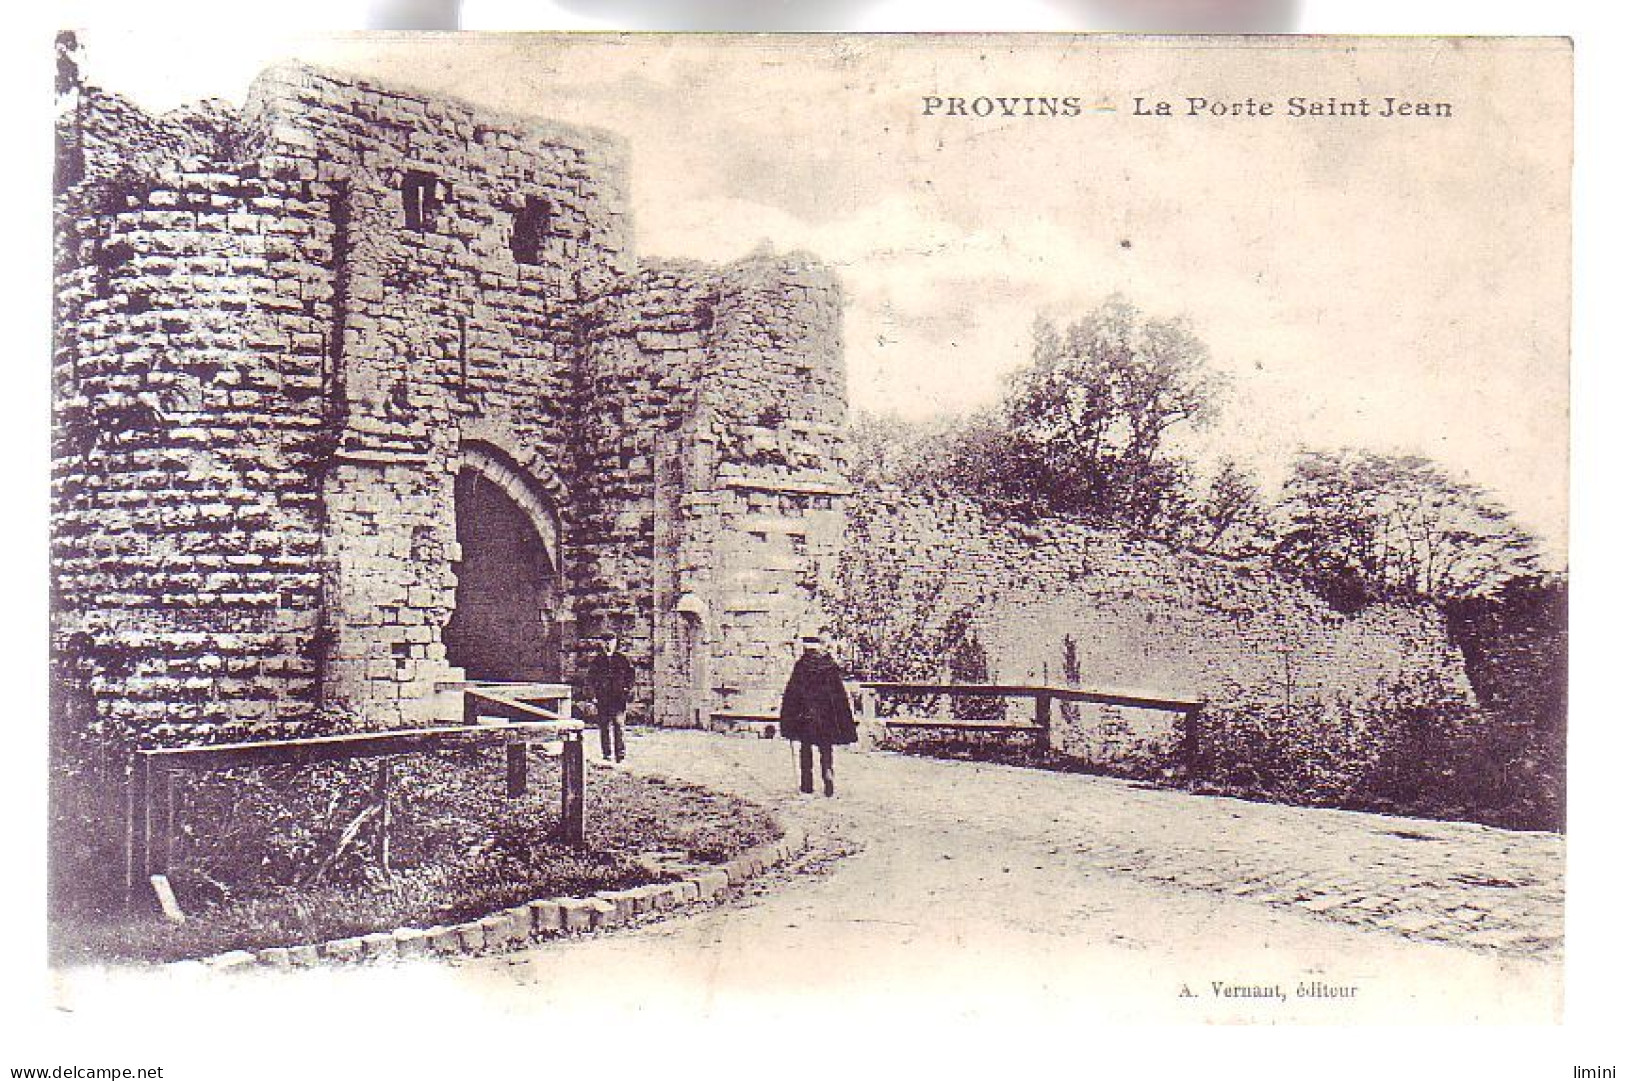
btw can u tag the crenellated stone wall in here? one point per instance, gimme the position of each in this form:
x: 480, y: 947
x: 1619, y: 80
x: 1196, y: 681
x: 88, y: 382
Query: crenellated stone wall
x: 762, y: 531
x: 718, y: 441
x: 450, y: 349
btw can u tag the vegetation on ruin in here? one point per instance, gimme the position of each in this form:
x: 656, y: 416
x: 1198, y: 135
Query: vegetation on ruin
x: 1091, y: 428
x: 1358, y: 527
x: 283, y: 856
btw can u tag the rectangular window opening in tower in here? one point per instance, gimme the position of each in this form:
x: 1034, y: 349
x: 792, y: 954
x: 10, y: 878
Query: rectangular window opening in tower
x: 420, y: 200
x: 530, y: 225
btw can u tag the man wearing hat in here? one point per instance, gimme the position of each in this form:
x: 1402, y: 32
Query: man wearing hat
x: 817, y: 711
x: 609, y: 686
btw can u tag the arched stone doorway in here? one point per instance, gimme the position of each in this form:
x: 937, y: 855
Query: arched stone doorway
x: 505, y: 625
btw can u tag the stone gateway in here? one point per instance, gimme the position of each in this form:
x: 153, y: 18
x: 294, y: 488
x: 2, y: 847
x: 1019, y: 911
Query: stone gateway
x: 361, y: 394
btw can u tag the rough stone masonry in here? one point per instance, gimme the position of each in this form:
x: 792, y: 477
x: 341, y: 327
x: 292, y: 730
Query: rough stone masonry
x: 362, y: 393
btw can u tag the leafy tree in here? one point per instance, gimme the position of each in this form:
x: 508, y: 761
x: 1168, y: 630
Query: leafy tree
x: 1515, y: 642
x: 1083, y: 429
x: 1091, y: 416
x: 968, y: 663
x: 883, y: 448
x: 1361, y: 527
x: 900, y: 622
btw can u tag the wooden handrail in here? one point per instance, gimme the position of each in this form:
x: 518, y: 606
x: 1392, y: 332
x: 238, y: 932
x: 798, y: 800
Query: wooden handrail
x: 1043, y: 697
x: 1025, y: 690
x: 151, y: 798
x: 520, y: 709
x: 313, y: 749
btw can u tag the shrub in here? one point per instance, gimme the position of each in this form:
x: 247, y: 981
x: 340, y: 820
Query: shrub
x: 1406, y: 749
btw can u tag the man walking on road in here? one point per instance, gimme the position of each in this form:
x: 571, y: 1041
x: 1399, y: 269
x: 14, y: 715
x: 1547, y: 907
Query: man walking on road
x: 817, y: 711
x: 609, y: 686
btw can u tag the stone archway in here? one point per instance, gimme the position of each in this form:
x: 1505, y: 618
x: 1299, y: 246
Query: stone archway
x: 505, y: 625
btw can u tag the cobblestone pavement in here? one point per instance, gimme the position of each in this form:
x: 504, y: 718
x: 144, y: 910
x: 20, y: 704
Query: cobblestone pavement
x: 1451, y: 882
x: 1018, y: 879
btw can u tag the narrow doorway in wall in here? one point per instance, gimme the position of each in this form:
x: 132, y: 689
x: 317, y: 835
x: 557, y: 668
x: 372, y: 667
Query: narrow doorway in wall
x: 504, y: 625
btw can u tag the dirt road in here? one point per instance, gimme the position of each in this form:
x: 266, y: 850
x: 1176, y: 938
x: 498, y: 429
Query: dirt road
x: 986, y: 889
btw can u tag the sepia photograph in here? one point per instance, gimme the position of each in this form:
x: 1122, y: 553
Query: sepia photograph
x: 755, y: 525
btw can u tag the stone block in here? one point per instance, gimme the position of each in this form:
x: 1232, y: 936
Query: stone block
x: 546, y: 916
x: 276, y: 957
x: 623, y: 901
x: 379, y: 945
x: 411, y: 942
x: 471, y: 936
x: 577, y: 913
x: 445, y: 941
x: 499, y: 929
x: 524, y: 921
x: 602, y: 913
x: 306, y: 956
x: 711, y: 883
x: 344, y: 950
x: 643, y: 897
x: 232, y: 959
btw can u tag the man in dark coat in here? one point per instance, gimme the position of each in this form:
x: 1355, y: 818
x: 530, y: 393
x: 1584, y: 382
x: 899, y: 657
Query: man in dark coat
x: 609, y: 686
x: 817, y: 711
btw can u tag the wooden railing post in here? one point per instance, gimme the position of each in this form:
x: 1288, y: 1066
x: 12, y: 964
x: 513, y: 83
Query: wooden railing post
x: 516, y: 751
x: 867, y: 720
x: 1190, y: 750
x: 160, y: 819
x: 572, y: 809
x: 135, y: 829
x: 1042, y: 717
x: 380, y: 792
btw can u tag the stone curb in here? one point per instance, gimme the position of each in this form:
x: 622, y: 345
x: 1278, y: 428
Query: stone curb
x: 521, y: 924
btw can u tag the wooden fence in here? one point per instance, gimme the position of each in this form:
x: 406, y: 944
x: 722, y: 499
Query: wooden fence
x: 1044, y: 697
x: 512, y: 715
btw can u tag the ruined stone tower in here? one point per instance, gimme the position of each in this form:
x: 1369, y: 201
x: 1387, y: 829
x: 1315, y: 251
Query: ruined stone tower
x: 360, y: 393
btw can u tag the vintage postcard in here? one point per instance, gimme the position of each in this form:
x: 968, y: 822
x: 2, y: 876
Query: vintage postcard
x: 754, y: 526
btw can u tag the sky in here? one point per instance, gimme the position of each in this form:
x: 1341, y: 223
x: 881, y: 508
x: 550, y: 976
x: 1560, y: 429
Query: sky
x: 1400, y: 284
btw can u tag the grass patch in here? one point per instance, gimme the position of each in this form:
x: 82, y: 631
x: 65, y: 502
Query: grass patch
x: 261, y: 859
